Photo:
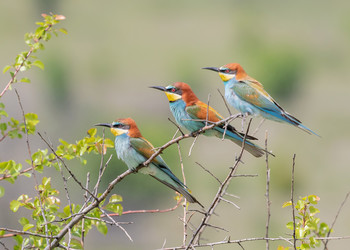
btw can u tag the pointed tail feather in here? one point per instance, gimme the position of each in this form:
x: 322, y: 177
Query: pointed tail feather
x: 180, y: 188
x: 307, y: 130
x: 253, y: 149
x: 234, y: 131
x: 292, y: 120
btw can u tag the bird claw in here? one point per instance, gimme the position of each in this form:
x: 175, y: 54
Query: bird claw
x: 194, y: 134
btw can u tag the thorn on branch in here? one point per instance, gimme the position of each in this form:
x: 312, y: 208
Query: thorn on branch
x: 209, y: 173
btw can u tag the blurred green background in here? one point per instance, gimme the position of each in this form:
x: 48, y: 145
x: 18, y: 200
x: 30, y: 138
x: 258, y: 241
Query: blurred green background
x: 115, y: 50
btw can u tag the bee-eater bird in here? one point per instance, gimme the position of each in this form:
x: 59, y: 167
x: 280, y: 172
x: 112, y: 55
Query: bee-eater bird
x: 248, y: 96
x: 134, y: 150
x: 188, y: 109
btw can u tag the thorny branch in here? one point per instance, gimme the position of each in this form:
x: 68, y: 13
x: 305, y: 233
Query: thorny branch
x: 150, y: 211
x: 229, y: 241
x: 184, y: 204
x: 219, y: 194
x: 268, y: 202
x: 335, y: 219
x: 15, y: 232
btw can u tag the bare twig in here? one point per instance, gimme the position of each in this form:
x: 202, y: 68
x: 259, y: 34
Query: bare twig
x: 102, y: 166
x: 335, y: 219
x: 3, y: 245
x: 178, y: 127
x: 226, y: 125
x: 107, y: 221
x: 243, y: 121
x: 206, y: 170
x: 116, y: 224
x: 230, y: 202
x: 223, y: 98
x: 245, y: 175
x: 232, y: 195
x: 23, y: 233
x: 220, y: 193
x: 194, y: 141
x: 150, y: 211
x: 207, y: 115
x: 258, y: 127
x: 216, y: 227
x: 268, y: 202
x: 185, y: 201
x: 85, y: 202
x: 229, y: 241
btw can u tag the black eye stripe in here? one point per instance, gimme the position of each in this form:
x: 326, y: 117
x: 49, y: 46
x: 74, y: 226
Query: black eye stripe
x: 172, y: 89
x: 226, y: 71
x: 121, y: 126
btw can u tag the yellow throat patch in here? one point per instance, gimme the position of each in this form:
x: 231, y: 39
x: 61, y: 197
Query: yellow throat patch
x: 118, y: 131
x: 172, y: 97
x: 226, y: 77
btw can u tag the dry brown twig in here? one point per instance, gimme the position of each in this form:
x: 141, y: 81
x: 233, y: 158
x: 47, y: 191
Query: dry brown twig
x: 221, y: 191
x: 268, y: 202
x: 229, y: 241
x: 335, y: 219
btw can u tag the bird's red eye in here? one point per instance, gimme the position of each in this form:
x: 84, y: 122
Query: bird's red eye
x: 227, y: 71
x: 172, y: 90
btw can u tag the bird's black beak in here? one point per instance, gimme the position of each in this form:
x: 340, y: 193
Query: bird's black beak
x: 212, y: 68
x: 161, y: 88
x: 104, y: 125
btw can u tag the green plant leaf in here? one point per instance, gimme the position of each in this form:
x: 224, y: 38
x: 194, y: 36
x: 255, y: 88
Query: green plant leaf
x: 116, y: 208
x: 3, y: 126
x: 313, y: 199
x: 115, y: 198
x: 286, y: 204
x: 63, y: 30
x: 290, y: 225
x: 27, y: 227
x: 38, y: 64
x: 46, y: 181
x: 6, y: 68
x: 313, y: 210
x: 101, y: 227
x: 75, y: 244
x: 14, y: 205
x: 25, y: 79
x: 92, y: 132
x: 23, y: 221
